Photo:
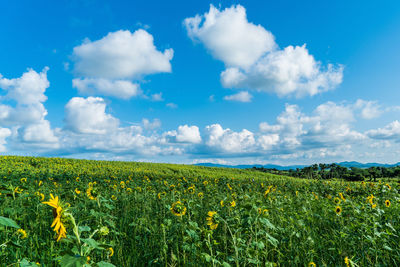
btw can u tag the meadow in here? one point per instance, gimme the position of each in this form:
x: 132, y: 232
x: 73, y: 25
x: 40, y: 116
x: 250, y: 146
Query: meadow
x: 66, y: 212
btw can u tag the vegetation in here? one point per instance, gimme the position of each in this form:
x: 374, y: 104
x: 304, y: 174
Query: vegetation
x: 330, y: 171
x: 95, y: 213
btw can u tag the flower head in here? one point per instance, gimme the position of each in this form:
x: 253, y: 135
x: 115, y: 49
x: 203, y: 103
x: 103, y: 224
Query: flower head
x: 178, y: 209
x: 338, y: 210
x: 211, y: 220
x: 58, y: 213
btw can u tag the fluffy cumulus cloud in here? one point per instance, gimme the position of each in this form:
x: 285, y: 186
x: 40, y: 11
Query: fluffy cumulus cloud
x: 254, y: 61
x: 243, y: 96
x: 185, y: 134
x: 219, y: 139
x: 389, y: 132
x: 110, y: 65
x: 291, y: 71
x: 229, y: 36
x: 26, y: 116
x: 88, y: 115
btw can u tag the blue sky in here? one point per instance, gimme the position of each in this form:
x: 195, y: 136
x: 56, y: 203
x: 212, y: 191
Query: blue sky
x: 228, y: 82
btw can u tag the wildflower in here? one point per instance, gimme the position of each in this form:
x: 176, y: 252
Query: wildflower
x: 110, y: 251
x: 18, y: 190
x: 388, y: 186
x: 23, y: 180
x: 58, y: 211
x: 178, y: 209
x: 233, y: 203
x: 347, y: 261
x: 387, y: 203
x: 40, y: 183
x: 297, y: 193
x: 373, y: 206
x: 229, y: 186
x: 312, y: 264
x: 211, y: 220
x: 89, y: 193
x: 122, y: 184
x: 205, y: 183
x: 113, y: 197
x: 338, y: 210
x: 200, y: 195
x: 77, y: 179
x: 77, y: 191
x: 161, y: 195
x: 191, y: 189
x: 342, y: 197
x: 22, y: 233
x: 129, y: 190
x: 221, y: 203
x: 337, y: 200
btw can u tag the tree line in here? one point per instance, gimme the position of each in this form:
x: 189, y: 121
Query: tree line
x: 330, y: 171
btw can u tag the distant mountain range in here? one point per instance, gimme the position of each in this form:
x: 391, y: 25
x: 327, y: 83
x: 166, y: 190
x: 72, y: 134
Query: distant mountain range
x: 280, y: 167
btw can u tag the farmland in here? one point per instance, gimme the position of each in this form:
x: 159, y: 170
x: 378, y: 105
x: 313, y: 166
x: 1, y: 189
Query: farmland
x: 100, y: 213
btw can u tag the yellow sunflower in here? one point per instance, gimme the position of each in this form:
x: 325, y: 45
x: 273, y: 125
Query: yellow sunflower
x: 22, y: 233
x: 211, y: 220
x: 387, y: 203
x: 110, y: 251
x: 338, y: 210
x: 178, y: 209
x: 58, y: 225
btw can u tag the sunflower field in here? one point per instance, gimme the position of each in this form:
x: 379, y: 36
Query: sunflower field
x: 65, y: 212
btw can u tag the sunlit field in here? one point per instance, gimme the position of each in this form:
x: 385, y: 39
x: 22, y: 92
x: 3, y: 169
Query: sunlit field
x: 62, y: 212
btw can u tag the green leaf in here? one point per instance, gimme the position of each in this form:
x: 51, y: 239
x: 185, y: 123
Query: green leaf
x: 8, y: 222
x: 272, y: 240
x: 105, y: 264
x: 92, y: 243
x: 83, y: 228
x: 26, y: 263
x: 72, y: 261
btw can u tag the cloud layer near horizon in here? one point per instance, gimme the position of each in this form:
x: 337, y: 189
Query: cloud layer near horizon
x: 326, y: 132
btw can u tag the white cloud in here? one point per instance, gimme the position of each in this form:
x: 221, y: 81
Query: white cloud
x: 27, y: 116
x: 4, y: 133
x: 243, y: 96
x: 369, y: 109
x: 291, y: 71
x: 88, y: 115
x: 110, y: 66
x: 390, y: 131
x: 253, y: 59
x: 148, y: 125
x: 157, y: 97
x: 28, y: 89
x: 40, y: 133
x: 225, y: 140
x: 185, y: 134
x: 121, y: 55
x: 229, y: 36
x: 118, y: 88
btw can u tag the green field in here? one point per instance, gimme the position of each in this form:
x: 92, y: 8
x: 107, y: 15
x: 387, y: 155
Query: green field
x: 139, y: 214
